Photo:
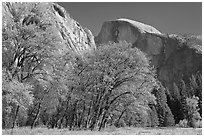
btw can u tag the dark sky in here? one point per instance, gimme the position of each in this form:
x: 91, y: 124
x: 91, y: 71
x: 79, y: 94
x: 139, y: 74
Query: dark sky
x: 166, y: 17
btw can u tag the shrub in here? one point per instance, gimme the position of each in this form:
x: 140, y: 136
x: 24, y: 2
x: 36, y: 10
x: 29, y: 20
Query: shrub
x: 183, y: 123
x: 199, y: 124
x: 192, y: 108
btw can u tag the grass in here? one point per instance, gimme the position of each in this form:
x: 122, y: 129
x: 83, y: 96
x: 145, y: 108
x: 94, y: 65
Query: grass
x: 107, y: 131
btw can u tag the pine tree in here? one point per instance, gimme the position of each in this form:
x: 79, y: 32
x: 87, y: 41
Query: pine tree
x: 176, y: 92
x: 192, y: 111
x: 165, y: 115
x: 184, y: 94
x: 153, y: 117
x: 196, y: 88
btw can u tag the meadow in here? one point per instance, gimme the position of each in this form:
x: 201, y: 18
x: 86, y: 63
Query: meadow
x: 106, y: 131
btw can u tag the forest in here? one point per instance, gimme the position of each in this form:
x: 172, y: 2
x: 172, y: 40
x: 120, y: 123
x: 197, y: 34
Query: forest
x: 114, y: 85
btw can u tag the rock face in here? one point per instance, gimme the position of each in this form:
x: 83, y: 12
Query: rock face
x: 70, y: 33
x: 174, y: 57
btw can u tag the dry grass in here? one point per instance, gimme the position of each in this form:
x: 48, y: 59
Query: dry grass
x: 107, y: 131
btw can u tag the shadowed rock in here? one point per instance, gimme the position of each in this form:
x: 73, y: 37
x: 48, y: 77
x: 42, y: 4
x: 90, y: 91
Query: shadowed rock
x: 175, y: 57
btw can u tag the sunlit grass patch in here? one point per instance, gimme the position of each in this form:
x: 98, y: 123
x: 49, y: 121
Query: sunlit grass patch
x: 106, y: 131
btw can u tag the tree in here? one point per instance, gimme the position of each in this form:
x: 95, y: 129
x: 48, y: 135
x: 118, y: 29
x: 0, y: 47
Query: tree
x: 16, y: 96
x: 196, y: 88
x: 192, y: 109
x: 28, y: 47
x: 112, y: 78
x: 166, y: 118
x: 190, y: 101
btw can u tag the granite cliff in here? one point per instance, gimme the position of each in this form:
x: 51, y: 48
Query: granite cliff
x: 70, y: 34
x: 175, y: 57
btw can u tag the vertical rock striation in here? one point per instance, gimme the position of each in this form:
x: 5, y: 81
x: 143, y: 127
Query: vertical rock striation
x: 70, y: 34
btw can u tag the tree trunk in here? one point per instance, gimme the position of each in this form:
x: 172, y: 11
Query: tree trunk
x: 81, y: 118
x: 117, y: 121
x: 102, y: 120
x: 61, y: 120
x: 36, y: 116
x: 67, y: 119
x: 106, y: 107
x: 64, y: 115
x: 73, y: 115
x: 89, y: 112
x: 16, y: 113
x: 96, y: 111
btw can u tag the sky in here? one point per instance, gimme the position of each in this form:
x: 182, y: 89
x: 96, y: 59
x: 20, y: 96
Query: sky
x: 167, y: 17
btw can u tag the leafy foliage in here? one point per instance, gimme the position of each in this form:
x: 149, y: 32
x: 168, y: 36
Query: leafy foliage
x: 43, y: 84
x: 192, y: 109
x: 183, y: 123
x: 14, y: 94
x: 165, y: 115
x: 112, y: 84
x: 28, y: 46
x: 190, y: 100
x: 196, y: 89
